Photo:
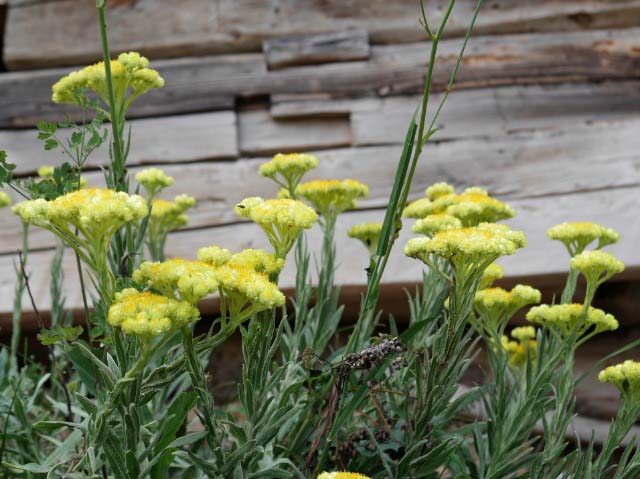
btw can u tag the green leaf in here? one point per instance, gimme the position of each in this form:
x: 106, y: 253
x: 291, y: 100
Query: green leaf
x: 50, y: 144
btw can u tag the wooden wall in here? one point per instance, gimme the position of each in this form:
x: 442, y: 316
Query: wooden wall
x: 545, y: 115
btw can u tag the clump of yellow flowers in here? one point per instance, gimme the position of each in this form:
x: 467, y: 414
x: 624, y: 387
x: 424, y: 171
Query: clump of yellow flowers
x: 525, y: 346
x: 576, y: 236
x: 435, y: 223
x: 573, y: 319
x: 131, y: 77
x: 597, y: 266
x: 153, y: 180
x: 147, y: 314
x: 341, y: 475
x: 491, y: 274
x: 626, y: 377
x: 496, y: 306
x: 368, y: 233
x: 5, y: 199
x: 287, y: 169
x: 332, y: 197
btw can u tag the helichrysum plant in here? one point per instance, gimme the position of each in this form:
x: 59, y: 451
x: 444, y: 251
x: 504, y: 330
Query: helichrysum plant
x: 316, y: 398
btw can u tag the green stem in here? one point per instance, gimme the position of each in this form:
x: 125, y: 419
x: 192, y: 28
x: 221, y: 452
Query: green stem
x: 16, y: 318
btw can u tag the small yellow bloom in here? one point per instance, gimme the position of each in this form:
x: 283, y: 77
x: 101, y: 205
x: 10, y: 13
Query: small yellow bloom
x: 438, y: 189
x: 153, y: 180
x: 5, y: 199
x: 368, y: 233
x: 147, y: 314
x: 214, y: 255
x: 569, y: 318
x: 576, y: 236
x: 523, y: 333
x: 496, y: 306
x: 625, y: 376
x: 332, y: 197
x: 46, y: 171
x: 418, y: 209
x: 493, y: 272
x: 168, y: 216
x: 247, y: 291
x: 435, y: 223
x: 597, y: 266
x: 525, y: 346
x: 342, y: 475
x: 291, y: 167
x: 257, y: 259
x: 473, y: 208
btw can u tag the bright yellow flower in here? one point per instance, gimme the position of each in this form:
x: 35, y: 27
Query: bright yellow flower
x: 597, y: 266
x: 214, y: 255
x: 332, y: 197
x: 5, y: 199
x: 435, y: 223
x: 571, y: 318
x: 281, y: 220
x: 496, y: 306
x: 168, y: 216
x: 368, y: 233
x: 523, y: 333
x: 438, y: 189
x: 178, y: 279
x: 576, y: 236
x: 525, y: 347
x: 418, y: 209
x: 625, y: 376
x: 257, y: 259
x: 147, y: 314
x: 153, y: 180
x: 291, y: 166
x: 473, y: 208
x: 341, y: 475
x: 493, y: 272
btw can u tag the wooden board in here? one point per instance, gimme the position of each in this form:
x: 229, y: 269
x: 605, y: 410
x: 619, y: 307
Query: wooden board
x: 163, y: 28
x: 489, y: 61
x: 312, y: 49
x: 533, y: 163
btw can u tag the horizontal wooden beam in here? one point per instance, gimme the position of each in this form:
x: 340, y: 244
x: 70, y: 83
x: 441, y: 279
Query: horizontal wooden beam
x: 164, y: 29
x: 489, y: 61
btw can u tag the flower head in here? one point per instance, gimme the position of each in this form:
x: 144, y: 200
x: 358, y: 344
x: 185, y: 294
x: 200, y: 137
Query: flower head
x: 342, y: 475
x: 418, y: 209
x: 281, y: 220
x: 5, y: 199
x: 435, y: 223
x: 178, y: 279
x: 291, y: 167
x: 492, y: 273
x: 573, y: 319
x: 168, y: 216
x: 147, y: 314
x: 438, y: 189
x: 214, y: 255
x: 625, y: 376
x: 46, y: 171
x: 597, y: 266
x: 525, y: 346
x: 523, y: 333
x: 473, y: 208
x: 576, y: 236
x: 153, y: 180
x: 332, y: 197
x: 33, y: 212
x: 368, y: 233
x: 496, y: 306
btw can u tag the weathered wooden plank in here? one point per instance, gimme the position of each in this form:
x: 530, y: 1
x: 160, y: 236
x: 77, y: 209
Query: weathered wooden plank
x: 501, y: 60
x: 554, y: 161
x: 196, y: 27
x: 181, y: 138
x: 312, y: 49
x: 319, y: 105
x: 615, y: 208
x: 260, y: 134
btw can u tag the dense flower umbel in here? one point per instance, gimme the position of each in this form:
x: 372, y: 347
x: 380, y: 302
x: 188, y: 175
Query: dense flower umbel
x: 496, y: 306
x: 341, y: 475
x: 147, y: 314
x: 5, y: 199
x: 168, y: 216
x: 435, y: 223
x: 46, y: 171
x: 492, y: 273
x: 472, y: 208
x: 178, y: 279
x: 597, y: 266
x: 573, y: 318
x: 332, y: 197
x: 257, y: 259
x: 418, y: 209
x: 524, y: 346
x: 129, y: 72
x: 576, y: 236
x: 438, y: 189
x: 368, y: 233
x: 291, y: 167
x: 214, y: 255
x: 153, y: 180
x: 281, y: 220
x: 625, y: 376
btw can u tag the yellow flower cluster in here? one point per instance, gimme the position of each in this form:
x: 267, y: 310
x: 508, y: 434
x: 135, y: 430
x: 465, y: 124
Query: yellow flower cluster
x: 281, y: 220
x: 485, y: 242
x: 493, y: 272
x: 257, y: 259
x: 242, y: 285
x: 5, y: 199
x: 46, y: 171
x: 435, y: 223
x: 214, y: 255
x: 291, y: 167
x: 496, y: 306
x: 169, y: 215
x: 153, y: 180
x: 438, y: 189
x: 332, y: 197
x: 625, y: 376
x: 576, y: 236
x: 569, y: 318
x: 147, y: 314
x: 368, y: 233
x: 178, y: 279
x: 524, y: 346
x: 597, y: 266
x: 96, y: 213
x: 129, y: 71
x: 341, y: 475
x: 472, y: 207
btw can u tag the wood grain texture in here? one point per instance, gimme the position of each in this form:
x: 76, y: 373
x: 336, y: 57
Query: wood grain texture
x: 162, y: 28
x: 313, y: 49
x: 489, y: 61
x: 588, y: 156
